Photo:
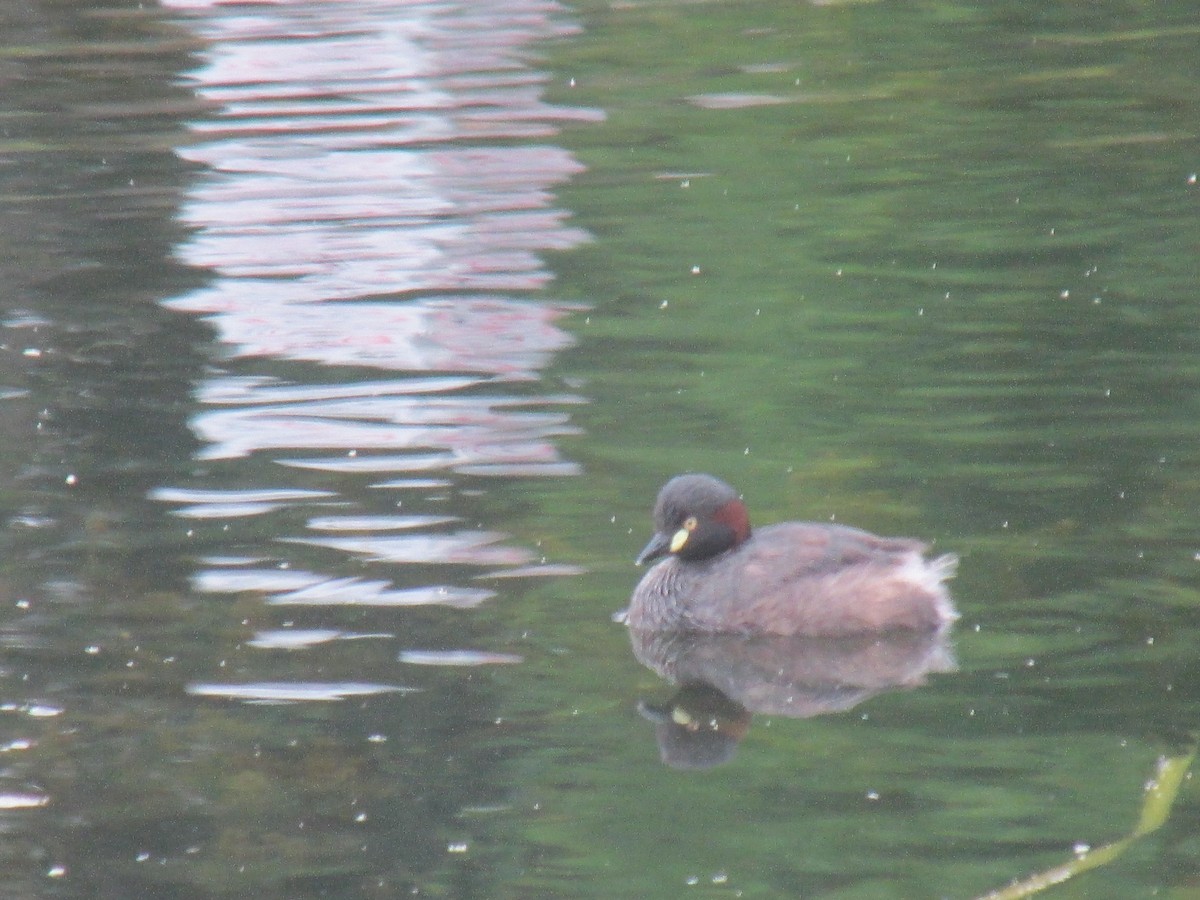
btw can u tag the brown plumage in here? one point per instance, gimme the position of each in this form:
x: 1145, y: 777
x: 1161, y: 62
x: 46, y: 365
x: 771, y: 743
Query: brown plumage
x: 795, y: 578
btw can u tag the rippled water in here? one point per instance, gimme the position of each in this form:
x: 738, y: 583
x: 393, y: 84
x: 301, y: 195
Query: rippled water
x: 355, y: 199
x: 345, y: 345
x: 360, y: 211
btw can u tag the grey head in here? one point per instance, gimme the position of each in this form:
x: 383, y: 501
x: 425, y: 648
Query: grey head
x: 696, y: 517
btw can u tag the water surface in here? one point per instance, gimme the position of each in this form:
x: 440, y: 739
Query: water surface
x: 346, y: 345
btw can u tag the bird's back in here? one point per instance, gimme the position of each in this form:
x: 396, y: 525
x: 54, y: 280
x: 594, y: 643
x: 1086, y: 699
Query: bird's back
x: 800, y: 578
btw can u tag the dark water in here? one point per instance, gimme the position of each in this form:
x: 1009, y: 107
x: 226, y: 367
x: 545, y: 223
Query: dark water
x: 345, y: 346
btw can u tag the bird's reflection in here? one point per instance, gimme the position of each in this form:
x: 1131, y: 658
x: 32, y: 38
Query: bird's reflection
x: 723, y: 679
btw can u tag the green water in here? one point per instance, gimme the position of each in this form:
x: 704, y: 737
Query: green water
x: 944, y: 285
x: 929, y: 269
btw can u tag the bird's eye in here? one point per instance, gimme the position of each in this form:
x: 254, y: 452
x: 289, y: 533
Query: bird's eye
x: 690, y: 524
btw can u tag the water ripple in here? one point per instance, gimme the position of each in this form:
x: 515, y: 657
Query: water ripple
x: 375, y: 196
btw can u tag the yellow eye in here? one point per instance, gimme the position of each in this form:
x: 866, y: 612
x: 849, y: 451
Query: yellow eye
x: 680, y: 538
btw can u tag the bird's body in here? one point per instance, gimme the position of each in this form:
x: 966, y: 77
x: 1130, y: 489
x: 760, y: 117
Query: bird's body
x: 794, y: 578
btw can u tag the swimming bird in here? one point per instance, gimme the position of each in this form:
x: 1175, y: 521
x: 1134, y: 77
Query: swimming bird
x: 794, y: 578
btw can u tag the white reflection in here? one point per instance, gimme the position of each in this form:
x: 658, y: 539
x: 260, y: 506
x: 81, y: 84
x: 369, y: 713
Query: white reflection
x: 375, y: 197
x: 298, y: 692
x: 471, y: 548
x: 303, y: 638
x: 292, y: 588
x: 216, y: 504
x: 376, y: 523
x: 458, y: 658
x: 293, y: 638
x: 22, y: 801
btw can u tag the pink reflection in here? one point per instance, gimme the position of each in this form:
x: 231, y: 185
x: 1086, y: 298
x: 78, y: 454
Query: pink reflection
x: 479, y: 430
x: 291, y: 588
x: 481, y: 334
x: 376, y: 196
x: 466, y: 548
